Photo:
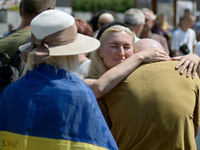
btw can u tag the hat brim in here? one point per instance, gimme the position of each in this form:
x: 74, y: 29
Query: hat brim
x: 83, y: 44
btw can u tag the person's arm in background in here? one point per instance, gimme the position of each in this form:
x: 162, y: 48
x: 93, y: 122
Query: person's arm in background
x: 165, y: 45
x: 175, y: 44
x: 175, y: 53
x: 194, y: 46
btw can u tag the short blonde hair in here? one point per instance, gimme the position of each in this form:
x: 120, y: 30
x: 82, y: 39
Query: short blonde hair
x: 98, y: 67
x: 133, y: 17
x: 68, y: 63
x: 149, y: 12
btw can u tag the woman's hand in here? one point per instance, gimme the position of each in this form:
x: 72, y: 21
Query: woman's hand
x: 154, y: 54
x: 189, y: 62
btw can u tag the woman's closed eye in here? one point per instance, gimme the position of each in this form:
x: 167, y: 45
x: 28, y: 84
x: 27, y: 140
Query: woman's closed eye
x: 127, y: 47
x: 114, y: 46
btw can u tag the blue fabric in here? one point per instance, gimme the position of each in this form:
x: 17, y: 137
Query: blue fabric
x: 54, y: 104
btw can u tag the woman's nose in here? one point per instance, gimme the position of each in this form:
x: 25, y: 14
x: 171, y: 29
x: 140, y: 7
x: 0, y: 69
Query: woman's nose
x: 121, y: 51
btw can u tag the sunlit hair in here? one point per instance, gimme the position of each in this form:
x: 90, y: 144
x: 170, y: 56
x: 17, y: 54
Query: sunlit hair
x: 133, y: 17
x: 98, y: 67
x: 149, y: 12
x: 68, y: 63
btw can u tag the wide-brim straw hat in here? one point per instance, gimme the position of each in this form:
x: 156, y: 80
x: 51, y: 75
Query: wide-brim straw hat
x: 55, y: 32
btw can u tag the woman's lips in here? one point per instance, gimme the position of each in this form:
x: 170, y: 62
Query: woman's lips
x: 119, y: 60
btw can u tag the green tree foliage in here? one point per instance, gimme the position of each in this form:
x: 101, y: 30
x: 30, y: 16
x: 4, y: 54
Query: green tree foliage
x: 95, y: 5
x: 14, y: 8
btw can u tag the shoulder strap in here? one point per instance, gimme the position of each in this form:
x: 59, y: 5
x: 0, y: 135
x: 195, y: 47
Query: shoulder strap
x: 3, y: 55
x: 15, y: 58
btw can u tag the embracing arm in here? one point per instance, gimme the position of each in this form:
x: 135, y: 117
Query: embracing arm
x: 189, y: 62
x: 116, y: 74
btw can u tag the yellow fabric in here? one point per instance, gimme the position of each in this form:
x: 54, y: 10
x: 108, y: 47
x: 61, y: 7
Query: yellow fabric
x: 153, y: 109
x: 11, y: 141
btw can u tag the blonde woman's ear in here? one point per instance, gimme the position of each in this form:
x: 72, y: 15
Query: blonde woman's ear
x: 100, y: 53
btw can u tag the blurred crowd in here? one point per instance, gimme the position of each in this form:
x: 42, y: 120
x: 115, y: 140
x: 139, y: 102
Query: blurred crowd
x: 156, y: 26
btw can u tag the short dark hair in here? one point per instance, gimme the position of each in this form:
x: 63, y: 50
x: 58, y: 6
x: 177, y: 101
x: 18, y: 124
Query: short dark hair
x: 32, y: 8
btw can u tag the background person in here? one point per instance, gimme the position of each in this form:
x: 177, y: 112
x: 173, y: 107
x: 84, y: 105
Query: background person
x: 10, y: 28
x: 135, y: 19
x: 51, y: 107
x: 104, y: 18
x: 95, y: 16
x: 84, y: 62
x: 184, y: 35
x: 162, y: 27
x: 147, y: 30
x: 186, y: 12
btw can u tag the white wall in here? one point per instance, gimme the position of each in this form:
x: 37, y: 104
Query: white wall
x: 13, y: 18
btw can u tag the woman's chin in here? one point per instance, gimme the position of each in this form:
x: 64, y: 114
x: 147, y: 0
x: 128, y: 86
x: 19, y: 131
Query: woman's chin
x: 117, y: 63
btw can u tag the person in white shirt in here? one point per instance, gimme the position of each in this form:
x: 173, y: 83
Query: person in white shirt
x: 197, y: 49
x: 184, y: 35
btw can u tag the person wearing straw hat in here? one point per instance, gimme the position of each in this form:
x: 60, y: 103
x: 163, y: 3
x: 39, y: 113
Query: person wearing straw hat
x: 51, y: 107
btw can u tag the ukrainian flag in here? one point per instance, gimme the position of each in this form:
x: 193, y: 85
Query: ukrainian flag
x: 31, y: 120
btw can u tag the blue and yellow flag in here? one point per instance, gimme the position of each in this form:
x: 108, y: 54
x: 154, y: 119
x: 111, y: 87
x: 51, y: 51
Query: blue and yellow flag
x: 42, y: 111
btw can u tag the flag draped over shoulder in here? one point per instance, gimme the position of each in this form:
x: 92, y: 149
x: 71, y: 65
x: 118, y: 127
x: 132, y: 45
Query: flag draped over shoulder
x: 42, y: 111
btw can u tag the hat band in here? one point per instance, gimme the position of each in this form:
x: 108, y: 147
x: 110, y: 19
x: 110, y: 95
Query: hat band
x: 59, y: 38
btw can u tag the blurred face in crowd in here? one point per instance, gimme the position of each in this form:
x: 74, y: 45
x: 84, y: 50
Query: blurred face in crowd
x: 161, y: 19
x: 115, y: 48
x: 10, y: 27
x: 191, y: 21
x: 141, y: 26
x: 104, y: 19
x: 149, y: 21
x: 188, y: 22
